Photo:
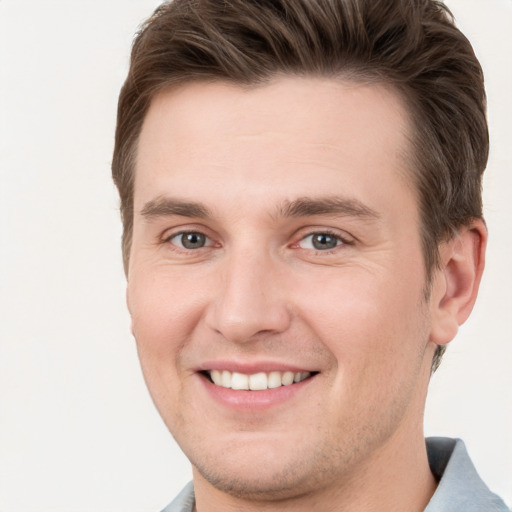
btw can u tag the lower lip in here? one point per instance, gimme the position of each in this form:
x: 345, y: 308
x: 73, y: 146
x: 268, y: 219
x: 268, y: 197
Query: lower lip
x: 254, y: 400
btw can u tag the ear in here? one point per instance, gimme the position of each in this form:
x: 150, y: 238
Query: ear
x: 455, y: 284
x: 129, y: 310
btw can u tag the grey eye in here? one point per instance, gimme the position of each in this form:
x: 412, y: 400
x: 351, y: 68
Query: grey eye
x: 324, y: 241
x: 192, y: 240
x: 320, y: 241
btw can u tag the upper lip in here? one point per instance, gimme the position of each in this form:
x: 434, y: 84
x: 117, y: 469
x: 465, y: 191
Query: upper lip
x: 252, y: 367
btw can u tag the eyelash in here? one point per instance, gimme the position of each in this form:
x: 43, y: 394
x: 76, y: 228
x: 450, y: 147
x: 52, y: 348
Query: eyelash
x: 341, y: 241
x: 168, y: 239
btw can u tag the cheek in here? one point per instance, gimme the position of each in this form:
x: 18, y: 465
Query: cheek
x: 162, y: 314
x: 366, y: 320
x: 376, y: 335
x: 163, y: 317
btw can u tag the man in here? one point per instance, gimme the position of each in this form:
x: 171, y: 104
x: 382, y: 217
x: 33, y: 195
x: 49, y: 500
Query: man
x: 303, y: 235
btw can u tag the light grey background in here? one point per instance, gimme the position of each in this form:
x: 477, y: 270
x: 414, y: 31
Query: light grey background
x: 78, y: 431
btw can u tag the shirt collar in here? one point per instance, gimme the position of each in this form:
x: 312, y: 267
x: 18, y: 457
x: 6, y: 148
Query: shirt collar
x: 460, y: 487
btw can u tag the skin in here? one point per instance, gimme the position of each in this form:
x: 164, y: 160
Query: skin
x: 259, y: 294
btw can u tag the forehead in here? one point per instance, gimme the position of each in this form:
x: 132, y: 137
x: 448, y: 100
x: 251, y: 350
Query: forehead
x: 281, y: 133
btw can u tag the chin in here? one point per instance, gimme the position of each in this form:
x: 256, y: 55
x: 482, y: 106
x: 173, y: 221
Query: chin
x: 270, y: 471
x: 258, y: 483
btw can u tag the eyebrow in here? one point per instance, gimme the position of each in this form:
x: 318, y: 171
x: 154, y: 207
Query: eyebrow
x: 332, y: 205
x: 167, y: 206
x: 300, y: 207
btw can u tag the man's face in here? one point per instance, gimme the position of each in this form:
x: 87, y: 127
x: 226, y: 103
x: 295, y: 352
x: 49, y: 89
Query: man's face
x: 276, y: 236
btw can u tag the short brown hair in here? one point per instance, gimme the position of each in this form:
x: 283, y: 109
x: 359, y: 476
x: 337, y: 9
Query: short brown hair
x: 412, y: 45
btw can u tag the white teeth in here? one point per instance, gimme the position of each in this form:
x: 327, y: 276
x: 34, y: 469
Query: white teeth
x: 226, y: 379
x: 239, y: 381
x: 287, y: 378
x: 216, y: 377
x: 274, y: 380
x: 256, y: 381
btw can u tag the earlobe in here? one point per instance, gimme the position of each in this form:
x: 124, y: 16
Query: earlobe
x: 455, y: 285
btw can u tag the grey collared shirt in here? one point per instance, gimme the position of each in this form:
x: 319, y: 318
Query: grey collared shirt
x: 460, y: 488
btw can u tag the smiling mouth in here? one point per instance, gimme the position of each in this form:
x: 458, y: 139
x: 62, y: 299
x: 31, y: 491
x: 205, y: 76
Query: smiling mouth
x: 256, y: 381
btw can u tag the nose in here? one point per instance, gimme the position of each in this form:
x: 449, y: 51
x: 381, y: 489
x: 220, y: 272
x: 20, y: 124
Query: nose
x: 251, y: 299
